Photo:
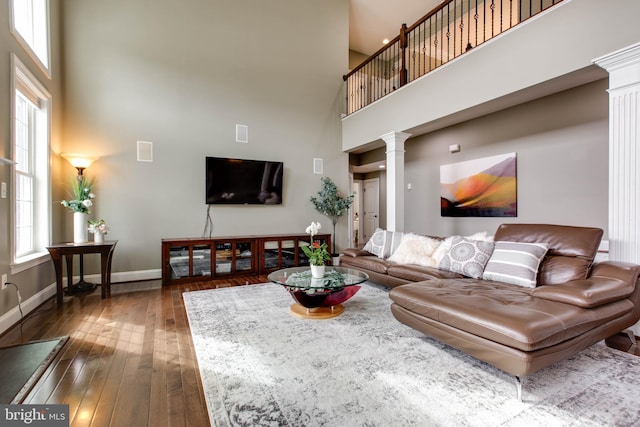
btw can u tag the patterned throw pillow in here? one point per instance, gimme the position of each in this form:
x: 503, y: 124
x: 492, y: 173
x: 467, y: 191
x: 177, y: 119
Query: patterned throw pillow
x: 467, y: 257
x: 415, y: 249
x: 516, y: 263
x: 383, y: 243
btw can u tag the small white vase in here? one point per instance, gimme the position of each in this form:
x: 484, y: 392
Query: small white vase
x: 317, y: 271
x: 80, y: 227
x: 98, y: 238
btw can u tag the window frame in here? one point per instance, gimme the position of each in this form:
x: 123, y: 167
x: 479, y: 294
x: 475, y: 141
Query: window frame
x: 26, y: 45
x: 21, y: 78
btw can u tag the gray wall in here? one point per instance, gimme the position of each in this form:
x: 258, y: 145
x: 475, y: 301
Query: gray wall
x: 561, y: 143
x: 182, y: 75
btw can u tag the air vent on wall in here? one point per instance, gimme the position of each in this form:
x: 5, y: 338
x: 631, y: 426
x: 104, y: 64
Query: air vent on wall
x: 317, y: 166
x: 145, y: 151
x: 242, y: 133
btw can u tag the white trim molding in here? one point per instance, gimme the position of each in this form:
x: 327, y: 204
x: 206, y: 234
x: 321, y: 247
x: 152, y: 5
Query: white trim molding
x: 12, y: 317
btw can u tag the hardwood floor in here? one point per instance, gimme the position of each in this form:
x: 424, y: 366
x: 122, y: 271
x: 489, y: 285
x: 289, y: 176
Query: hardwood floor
x: 129, y: 360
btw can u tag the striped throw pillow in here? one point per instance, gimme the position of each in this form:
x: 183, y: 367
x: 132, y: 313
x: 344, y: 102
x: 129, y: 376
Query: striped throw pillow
x: 383, y: 243
x: 516, y: 263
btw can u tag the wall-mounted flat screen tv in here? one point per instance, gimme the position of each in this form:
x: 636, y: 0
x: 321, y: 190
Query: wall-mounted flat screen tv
x: 243, y: 182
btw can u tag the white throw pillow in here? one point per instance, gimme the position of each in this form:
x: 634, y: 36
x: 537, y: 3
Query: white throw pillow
x: 442, y: 250
x: 416, y: 249
x: 516, y: 263
x: 383, y: 243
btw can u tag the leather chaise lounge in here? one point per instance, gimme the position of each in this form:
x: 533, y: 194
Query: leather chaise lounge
x: 517, y: 329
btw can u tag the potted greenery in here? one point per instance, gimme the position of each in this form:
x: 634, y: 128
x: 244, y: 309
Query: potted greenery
x: 332, y: 203
x: 316, y: 252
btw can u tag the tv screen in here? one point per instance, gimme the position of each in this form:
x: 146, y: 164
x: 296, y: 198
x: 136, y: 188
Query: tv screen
x: 243, y: 182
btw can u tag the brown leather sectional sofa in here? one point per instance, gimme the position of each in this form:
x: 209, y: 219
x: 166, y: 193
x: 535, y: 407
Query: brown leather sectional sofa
x: 520, y: 330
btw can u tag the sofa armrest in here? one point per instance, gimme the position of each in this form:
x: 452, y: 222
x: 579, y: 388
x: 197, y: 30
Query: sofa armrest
x: 354, y: 252
x: 609, y: 281
x: 617, y: 270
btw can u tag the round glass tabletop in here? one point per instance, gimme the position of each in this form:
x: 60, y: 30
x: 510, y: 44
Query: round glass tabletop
x: 335, y: 278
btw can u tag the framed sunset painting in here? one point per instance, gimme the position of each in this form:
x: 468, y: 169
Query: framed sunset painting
x: 480, y: 187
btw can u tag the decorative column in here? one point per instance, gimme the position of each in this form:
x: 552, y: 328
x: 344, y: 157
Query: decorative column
x: 623, y: 67
x: 395, y: 179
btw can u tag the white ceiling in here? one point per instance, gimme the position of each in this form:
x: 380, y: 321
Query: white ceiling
x: 371, y: 21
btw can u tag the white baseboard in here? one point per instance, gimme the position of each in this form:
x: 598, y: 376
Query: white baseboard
x: 126, y: 276
x: 12, y: 317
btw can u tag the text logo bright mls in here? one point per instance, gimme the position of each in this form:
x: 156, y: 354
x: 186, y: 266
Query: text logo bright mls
x: 34, y: 415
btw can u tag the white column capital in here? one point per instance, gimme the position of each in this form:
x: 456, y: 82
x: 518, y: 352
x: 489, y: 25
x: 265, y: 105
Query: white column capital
x: 395, y: 140
x: 622, y: 65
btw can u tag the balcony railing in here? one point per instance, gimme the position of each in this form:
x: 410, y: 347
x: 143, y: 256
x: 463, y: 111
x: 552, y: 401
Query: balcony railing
x: 450, y: 30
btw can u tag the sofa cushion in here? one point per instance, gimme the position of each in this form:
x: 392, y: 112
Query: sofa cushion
x: 418, y: 273
x: 571, y: 249
x: 353, y: 252
x: 515, y: 262
x: 503, y: 313
x: 370, y: 262
x: 467, y: 257
x: 587, y: 293
x: 415, y: 249
x: 382, y: 243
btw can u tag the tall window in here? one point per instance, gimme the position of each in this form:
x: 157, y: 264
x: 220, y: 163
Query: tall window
x: 30, y: 25
x: 31, y: 195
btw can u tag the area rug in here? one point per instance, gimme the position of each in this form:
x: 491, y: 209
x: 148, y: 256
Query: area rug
x: 261, y: 366
x: 23, y: 364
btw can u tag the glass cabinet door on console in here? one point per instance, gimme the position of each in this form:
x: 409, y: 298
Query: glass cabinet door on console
x: 270, y: 255
x: 244, y: 256
x: 201, y: 260
x: 234, y: 257
x: 179, y: 262
x: 223, y: 258
x: 288, y: 253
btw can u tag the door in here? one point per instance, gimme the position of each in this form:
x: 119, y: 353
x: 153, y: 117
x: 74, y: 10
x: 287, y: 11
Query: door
x: 356, y: 213
x: 371, y: 206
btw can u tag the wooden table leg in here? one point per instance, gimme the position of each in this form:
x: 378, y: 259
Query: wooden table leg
x: 57, y: 266
x: 69, y: 259
x: 103, y: 274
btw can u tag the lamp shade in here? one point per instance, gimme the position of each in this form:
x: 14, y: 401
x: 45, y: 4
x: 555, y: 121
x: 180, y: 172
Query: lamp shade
x: 80, y: 161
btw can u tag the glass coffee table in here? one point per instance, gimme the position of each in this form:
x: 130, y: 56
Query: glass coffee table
x: 319, y: 298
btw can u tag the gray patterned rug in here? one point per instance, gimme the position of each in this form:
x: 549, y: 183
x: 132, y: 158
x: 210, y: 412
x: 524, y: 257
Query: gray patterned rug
x: 261, y: 366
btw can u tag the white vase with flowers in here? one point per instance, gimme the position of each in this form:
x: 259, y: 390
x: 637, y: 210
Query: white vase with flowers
x: 316, y: 252
x: 79, y: 205
x: 99, y: 229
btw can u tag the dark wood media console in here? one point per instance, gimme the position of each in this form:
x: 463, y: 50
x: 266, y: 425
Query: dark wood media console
x: 197, y: 259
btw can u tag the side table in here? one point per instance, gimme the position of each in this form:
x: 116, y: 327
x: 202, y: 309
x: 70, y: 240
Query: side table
x: 68, y: 250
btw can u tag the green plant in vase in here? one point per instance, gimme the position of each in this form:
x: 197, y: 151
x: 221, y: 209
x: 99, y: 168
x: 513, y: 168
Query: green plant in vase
x: 316, y: 252
x: 332, y: 203
x: 82, y: 195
